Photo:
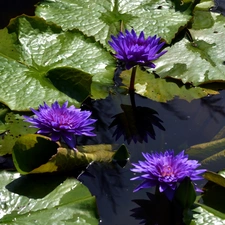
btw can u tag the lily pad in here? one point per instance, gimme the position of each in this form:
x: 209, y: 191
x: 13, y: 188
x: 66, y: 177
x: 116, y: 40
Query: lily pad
x: 32, y: 53
x: 103, y: 18
x: 207, y: 216
x: 69, y: 203
x: 201, y: 59
x: 34, y: 153
x: 163, y: 90
x: 214, y: 177
x: 15, y: 127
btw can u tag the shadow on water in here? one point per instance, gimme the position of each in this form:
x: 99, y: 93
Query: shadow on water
x: 144, y: 126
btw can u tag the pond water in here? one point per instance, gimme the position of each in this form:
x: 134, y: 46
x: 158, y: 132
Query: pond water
x: 185, y: 124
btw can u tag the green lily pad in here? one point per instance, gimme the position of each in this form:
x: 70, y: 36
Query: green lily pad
x: 214, y: 177
x: 69, y: 203
x: 15, y: 127
x: 34, y: 153
x: 103, y: 18
x: 201, y: 59
x: 32, y: 55
x: 163, y: 90
x: 207, y: 216
x: 214, y: 194
x: 204, y: 150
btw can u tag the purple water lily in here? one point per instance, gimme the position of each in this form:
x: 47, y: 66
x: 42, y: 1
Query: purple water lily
x: 62, y: 122
x: 133, y: 50
x: 166, y: 170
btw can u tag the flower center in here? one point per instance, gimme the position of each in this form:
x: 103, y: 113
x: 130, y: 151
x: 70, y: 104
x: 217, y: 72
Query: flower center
x: 167, y: 171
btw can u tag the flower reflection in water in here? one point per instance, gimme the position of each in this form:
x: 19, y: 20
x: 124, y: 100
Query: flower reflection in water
x: 136, y: 123
x: 157, y: 210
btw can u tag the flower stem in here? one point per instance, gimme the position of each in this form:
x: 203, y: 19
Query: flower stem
x: 132, y: 79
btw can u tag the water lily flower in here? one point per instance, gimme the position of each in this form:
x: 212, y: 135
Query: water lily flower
x: 62, y: 122
x: 166, y: 170
x: 133, y: 50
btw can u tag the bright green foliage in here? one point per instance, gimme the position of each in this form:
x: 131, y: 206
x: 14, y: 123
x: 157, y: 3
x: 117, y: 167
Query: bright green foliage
x: 200, y: 60
x: 67, y: 203
x: 207, y: 216
x: 163, y: 90
x: 103, y: 18
x: 34, y: 153
x: 38, y: 56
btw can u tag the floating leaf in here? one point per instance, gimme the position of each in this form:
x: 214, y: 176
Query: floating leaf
x: 68, y: 203
x: 215, y: 162
x: 200, y: 60
x: 214, y: 177
x: 33, y: 55
x: 205, y: 150
x: 207, y: 216
x: 214, y: 196
x: 38, y: 154
x: 163, y: 90
x: 121, y: 156
x: 15, y: 127
x: 105, y: 17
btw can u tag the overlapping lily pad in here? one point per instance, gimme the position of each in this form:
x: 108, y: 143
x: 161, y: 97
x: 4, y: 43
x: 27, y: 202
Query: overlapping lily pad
x: 35, y: 57
x: 200, y: 59
x: 104, y: 18
x: 34, y: 153
x: 68, y: 203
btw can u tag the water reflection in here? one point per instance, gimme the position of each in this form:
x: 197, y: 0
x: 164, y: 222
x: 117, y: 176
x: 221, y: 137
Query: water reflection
x: 213, y: 105
x: 157, y: 210
x: 186, y: 123
x: 106, y: 182
x: 136, y: 122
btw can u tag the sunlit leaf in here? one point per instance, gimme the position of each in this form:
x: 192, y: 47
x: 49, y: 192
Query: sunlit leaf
x: 104, y: 18
x: 201, y: 59
x: 32, y: 57
x: 163, y: 90
x: 207, y: 216
x: 68, y: 203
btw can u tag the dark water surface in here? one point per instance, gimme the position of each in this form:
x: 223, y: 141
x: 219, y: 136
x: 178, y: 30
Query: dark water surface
x: 185, y: 124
